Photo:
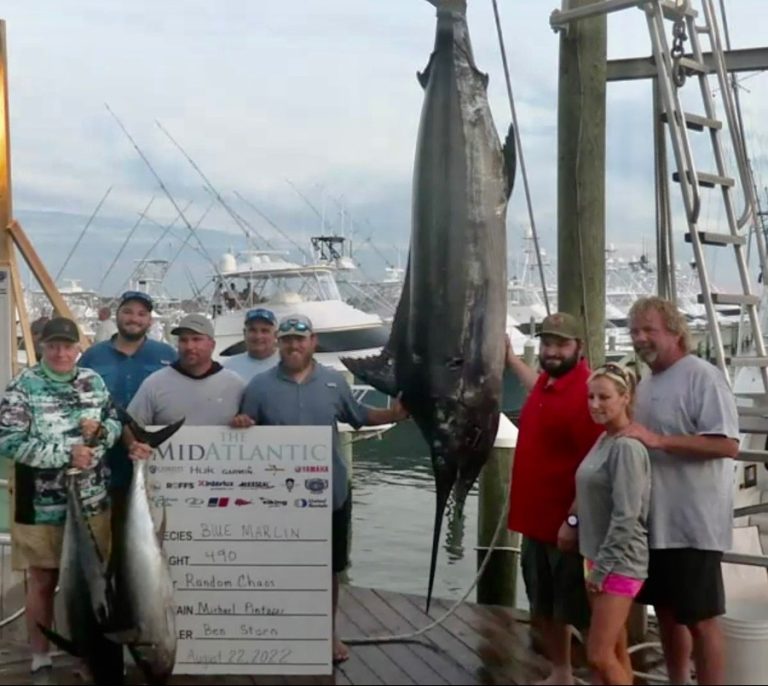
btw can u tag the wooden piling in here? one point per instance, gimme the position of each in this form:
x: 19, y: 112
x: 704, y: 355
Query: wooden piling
x: 581, y: 177
x: 498, y: 585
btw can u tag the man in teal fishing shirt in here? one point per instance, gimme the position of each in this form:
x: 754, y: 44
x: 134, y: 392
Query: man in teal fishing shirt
x: 53, y: 416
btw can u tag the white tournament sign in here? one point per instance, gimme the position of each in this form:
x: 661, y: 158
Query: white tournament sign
x: 248, y: 541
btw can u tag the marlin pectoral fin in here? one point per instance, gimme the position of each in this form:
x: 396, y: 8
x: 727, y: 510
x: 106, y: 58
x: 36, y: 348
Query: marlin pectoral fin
x: 510, y: 159
x: 59, y: 641
x: 154, y: 438
x: 423, y: 76
x: 378, y: 371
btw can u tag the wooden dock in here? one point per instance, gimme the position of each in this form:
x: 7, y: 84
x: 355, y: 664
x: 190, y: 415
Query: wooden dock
x: 479, y: 644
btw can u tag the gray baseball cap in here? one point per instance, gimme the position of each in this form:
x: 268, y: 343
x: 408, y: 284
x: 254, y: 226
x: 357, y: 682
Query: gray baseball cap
x: 197, y: 323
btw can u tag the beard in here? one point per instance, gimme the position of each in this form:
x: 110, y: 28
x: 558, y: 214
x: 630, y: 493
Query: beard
x: 296, y: 363
x: 559, y: 367
x: 133, y: 334
x: 647, y: 355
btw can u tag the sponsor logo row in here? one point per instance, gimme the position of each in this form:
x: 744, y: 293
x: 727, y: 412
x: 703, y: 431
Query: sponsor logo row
x: 224, y: 501
x: 315, y: 486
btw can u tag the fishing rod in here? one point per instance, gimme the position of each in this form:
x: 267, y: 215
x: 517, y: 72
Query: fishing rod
x: 244, y: 222
x: 160, y: 181
x: 125, y: 244
x: 235, y: 216
x: 170, y: 230
x: 309, y: 203
x: 274, y: 225
x: 82, y: 233
x: 166, y: 230
x: 186, y: 240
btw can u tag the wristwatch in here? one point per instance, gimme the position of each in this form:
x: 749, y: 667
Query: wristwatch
x: 572, y: 520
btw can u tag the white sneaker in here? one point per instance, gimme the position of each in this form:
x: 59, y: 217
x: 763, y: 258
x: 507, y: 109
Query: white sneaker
x: 40, y: 661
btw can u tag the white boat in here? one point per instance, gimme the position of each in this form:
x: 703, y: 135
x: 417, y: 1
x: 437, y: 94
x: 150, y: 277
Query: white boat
x: 259, y: 278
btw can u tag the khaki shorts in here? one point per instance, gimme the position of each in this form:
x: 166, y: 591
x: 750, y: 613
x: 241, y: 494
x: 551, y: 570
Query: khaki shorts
x: 39, y: 545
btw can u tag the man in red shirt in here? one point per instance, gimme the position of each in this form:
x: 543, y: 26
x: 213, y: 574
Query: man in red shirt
x: 556, y: 432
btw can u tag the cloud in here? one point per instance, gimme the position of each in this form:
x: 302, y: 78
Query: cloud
x: 319, y: 92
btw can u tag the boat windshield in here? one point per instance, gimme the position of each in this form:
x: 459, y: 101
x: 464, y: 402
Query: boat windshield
x: 279, y: 288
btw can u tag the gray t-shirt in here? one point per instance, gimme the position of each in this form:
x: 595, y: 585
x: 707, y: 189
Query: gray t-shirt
x: 167, y: 395
x: 324, y: 398
x: 613, y: 485
x: 248, y: 367
x: 691, y: 497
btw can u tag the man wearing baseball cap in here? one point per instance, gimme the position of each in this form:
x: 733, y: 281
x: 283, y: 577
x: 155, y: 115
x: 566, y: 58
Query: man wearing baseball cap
x: 194, y: 387
x: 54, y: 415
x: 124, y: 361
x: 301, y: 392
x: 260, y: 345
x: 556, y: 433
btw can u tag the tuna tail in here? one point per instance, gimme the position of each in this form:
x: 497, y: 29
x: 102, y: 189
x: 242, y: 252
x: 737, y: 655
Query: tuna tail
x: 59, y: 641
x: 444, y: 480
x: 153, y: 438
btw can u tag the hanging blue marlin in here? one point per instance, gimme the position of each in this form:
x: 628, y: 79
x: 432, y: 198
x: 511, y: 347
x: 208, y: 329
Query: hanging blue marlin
x: 445, y: 355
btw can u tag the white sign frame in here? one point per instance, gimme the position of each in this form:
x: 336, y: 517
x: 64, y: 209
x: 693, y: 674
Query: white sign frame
x: 248, y: 541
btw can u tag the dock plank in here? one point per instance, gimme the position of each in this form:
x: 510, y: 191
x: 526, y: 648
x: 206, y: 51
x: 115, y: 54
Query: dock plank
x: 477, y: 644
x: 400, y: 653
x: 450, y: 646
x: 378, y: 661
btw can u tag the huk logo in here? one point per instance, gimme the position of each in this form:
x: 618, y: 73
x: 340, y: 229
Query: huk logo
x: 218, y: 502
x: 195, y: 502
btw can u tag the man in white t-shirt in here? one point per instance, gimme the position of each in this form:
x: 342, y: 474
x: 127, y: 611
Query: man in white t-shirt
x: 685, y: 414
x: 260, y: 354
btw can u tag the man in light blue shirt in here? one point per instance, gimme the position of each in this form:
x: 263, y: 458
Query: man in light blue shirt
x: 260, y: 343
x: 124, y: 361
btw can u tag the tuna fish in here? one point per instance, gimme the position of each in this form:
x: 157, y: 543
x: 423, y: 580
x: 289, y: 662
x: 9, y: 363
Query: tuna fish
x: 88, y: 596
x: 445, y: 354
x: 143, y: 581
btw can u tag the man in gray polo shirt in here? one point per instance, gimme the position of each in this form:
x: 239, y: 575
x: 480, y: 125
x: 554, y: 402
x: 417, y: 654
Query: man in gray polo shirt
x: 195, y: 387
x: 686, y: 416
x: 301, y: 392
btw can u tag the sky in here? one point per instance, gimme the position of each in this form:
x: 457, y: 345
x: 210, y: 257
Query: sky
x: 321, y: 94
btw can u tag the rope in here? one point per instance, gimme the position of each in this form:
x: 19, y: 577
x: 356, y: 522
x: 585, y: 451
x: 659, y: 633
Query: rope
x: 411, y: 637
x: 519, y: 146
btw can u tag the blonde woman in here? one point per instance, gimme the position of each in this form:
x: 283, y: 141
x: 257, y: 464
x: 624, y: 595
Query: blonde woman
x: 613, y: 486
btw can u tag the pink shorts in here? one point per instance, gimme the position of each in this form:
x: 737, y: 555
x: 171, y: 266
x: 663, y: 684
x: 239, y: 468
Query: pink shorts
x: 617, y: 584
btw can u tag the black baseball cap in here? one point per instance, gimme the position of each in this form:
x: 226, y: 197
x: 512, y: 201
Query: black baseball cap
x: 60, y: 329
x: 140, y: 296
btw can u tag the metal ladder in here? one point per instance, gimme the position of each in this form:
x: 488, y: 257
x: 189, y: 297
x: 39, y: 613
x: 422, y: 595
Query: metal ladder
x: 672, y: 72
x: 673, y: 69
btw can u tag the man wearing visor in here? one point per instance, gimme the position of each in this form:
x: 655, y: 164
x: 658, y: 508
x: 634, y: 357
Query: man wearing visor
x: 301, y: 392
x: 260, y: 345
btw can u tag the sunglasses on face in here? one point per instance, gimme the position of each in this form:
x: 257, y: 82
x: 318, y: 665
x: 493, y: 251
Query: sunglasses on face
x: 294, y: 325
